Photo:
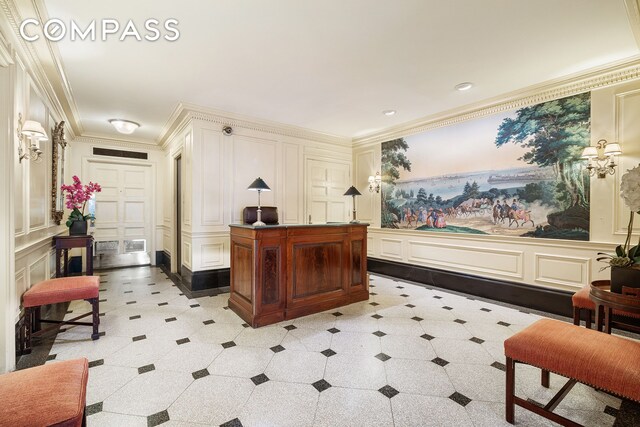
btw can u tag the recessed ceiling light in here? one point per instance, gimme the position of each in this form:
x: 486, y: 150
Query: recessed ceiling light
x: 389, y: 112
x: 464, y: 86
x: 124, y: 126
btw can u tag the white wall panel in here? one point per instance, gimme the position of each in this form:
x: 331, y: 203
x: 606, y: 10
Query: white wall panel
x: 291, y: 212
x: 391, y: 248
x: 212, y: 183
x: 562, y: 270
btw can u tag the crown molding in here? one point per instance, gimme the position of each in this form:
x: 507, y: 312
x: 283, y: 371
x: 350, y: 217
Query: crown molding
x: 195, y: 112
x: 112, y: 142
x: 622, y: 71
x: 42, y: 61
x: 6, y: 58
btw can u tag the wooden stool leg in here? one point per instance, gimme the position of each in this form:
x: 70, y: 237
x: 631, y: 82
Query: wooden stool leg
x: 511, y: 385
x: 588, y: 322
x: 96, y: 318
x: 544, y: 380
x: 37, y: 315
x: 576, y: 316
x: 27, y: 330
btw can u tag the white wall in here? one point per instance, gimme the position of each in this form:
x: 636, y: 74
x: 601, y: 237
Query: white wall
x: 218, y: 169
x: 560, y: 264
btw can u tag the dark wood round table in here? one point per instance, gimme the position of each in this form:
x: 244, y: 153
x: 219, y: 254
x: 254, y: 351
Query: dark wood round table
x: 607, y: 301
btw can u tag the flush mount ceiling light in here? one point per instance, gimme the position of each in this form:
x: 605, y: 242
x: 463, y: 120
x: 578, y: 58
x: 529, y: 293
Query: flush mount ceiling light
x: 463, y: 86
x: 389, y: 112
x: 124, y: 126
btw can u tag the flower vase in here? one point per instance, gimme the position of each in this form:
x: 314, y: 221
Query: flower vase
x: 78, y: 228
x: 624, y: 276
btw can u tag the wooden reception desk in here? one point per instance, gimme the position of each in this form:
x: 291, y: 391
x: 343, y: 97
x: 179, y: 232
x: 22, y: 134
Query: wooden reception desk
x: 286, y: 271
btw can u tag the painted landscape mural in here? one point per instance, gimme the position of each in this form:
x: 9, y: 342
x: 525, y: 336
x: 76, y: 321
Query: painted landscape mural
x: 517, y: 173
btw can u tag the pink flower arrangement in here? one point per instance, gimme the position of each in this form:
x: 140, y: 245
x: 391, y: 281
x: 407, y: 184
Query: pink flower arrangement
x: 76, y: 197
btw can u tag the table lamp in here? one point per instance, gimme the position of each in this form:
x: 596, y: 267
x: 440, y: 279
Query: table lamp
x: 353, y: 191
x: 259, y: 185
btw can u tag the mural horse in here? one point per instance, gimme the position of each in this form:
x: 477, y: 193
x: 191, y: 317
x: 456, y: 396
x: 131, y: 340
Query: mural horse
x: 520, y: 215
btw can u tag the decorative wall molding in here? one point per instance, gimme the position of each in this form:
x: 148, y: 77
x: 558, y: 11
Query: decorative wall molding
x: 480, y: 260
x: 391, y: 248
x: 562, y: 270
x: 6, y: 58
x: 633, y: 13
x: 194, y: 112
x: 622, y: 71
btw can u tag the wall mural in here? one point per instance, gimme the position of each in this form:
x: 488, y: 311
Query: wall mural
x: 516, y: 173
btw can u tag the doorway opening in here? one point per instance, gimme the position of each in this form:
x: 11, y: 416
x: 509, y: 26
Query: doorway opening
x: 178, y: 207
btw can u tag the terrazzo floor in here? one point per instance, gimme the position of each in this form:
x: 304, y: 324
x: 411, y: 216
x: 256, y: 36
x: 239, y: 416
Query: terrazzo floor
x: 410, y: 356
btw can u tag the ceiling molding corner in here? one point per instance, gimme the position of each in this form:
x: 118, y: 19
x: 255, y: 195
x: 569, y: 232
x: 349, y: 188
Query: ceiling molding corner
x: 633, y: 13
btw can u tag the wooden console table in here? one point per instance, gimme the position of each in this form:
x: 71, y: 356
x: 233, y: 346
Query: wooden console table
x: 64, y: 243
x: 607, y: 301
x: 288, y: 271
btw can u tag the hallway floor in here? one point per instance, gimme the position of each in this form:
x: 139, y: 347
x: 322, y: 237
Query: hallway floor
x: 410, y: 356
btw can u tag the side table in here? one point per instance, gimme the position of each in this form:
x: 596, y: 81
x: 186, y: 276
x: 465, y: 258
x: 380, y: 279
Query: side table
x: 64, y: 243
x: 607, y: 301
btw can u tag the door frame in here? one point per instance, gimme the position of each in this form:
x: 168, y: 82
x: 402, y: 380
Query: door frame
x: 175, y: 268
x: 88, y: 160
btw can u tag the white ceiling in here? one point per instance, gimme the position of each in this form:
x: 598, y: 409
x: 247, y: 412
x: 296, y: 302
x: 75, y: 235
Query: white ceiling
x: 330, y: 65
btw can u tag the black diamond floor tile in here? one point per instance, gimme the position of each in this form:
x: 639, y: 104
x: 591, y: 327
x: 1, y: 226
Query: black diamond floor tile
x: 379, y: 334
x: 409, y: 305
x: 290, y: 327
x: 328, y: 352
x: 199, y: 374
x: 128, y: 292
x: 501, y: 323
x: 373, y: 293
x: 277, y: 348
x: 321, y: 385
x: 95, y: 363
x: 417, y: 319
x: 146, y: 368
x: 460, y: 399
x: 399, y: 287
x: 383, y: 357
x: 51, y: 357
x: 162, y: 303
x: 337, y: 314
x: 462, y: 322
x: 476, y: 340
x: 500, y: 366
x: 333, y: 330
x: 157, y: 419
x: 485, y: 309
x: 376, y: 316
x: 388, y: 391
x: 131, y: 302
x: 260, y: 379
x: 228, y: 344
x: 170, y: 319
x: 233, y: 423
x: 446, y: 307
x: 405, y: 295
x: 93, y: 409
x: 209, y: 322
x: 101, y: 334
x: 437, y: 297
x: 375, y: 304
x: 155, y: 293
x: 194, y: 305
x: 137, y: 316
x: 427, y: 337
x: 440, y: 362
x: 182, y: 341
x: 139, y: 338
x: 151, y: 284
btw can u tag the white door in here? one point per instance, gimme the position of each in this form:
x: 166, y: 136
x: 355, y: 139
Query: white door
x: 122, y: 209
x: 327, y: 183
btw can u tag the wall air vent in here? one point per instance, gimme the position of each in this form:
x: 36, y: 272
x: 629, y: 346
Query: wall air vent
x: 119, y: 153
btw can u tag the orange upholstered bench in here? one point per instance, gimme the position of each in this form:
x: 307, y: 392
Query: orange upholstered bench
x: 600, y: 360
x: 581, y: 301
x: 54, y: 291
x: 51, y: 394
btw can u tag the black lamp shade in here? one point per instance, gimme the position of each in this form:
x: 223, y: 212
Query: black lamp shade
x: 259, y: 185
x: 352, y: 191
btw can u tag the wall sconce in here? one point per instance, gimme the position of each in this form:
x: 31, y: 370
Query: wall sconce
x: 374, y: 183
x: 603, y: 154
x: 353, y: 191
x: 30, y: 133
x: 259, y: 185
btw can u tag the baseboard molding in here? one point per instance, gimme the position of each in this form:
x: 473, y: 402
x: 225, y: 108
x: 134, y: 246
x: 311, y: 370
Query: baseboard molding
x: 203, y: 280
x: 163, y: 259
x: 533, y: 297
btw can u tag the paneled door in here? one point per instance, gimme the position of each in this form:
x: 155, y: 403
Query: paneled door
x: 327, y: 181
x: 122, y: 209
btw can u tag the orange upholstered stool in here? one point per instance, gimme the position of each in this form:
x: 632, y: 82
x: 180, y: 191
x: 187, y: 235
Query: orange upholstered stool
x: 47, y: 395
x: 54, y: 291
x: 600, y: 360
x: 582, y: 301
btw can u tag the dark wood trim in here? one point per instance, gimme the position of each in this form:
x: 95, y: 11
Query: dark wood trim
x: 196, y: 281
x: 537, y: 298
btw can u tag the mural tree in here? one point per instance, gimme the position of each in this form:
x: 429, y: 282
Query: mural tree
x: 555, y: 133
x: 393, y: 158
